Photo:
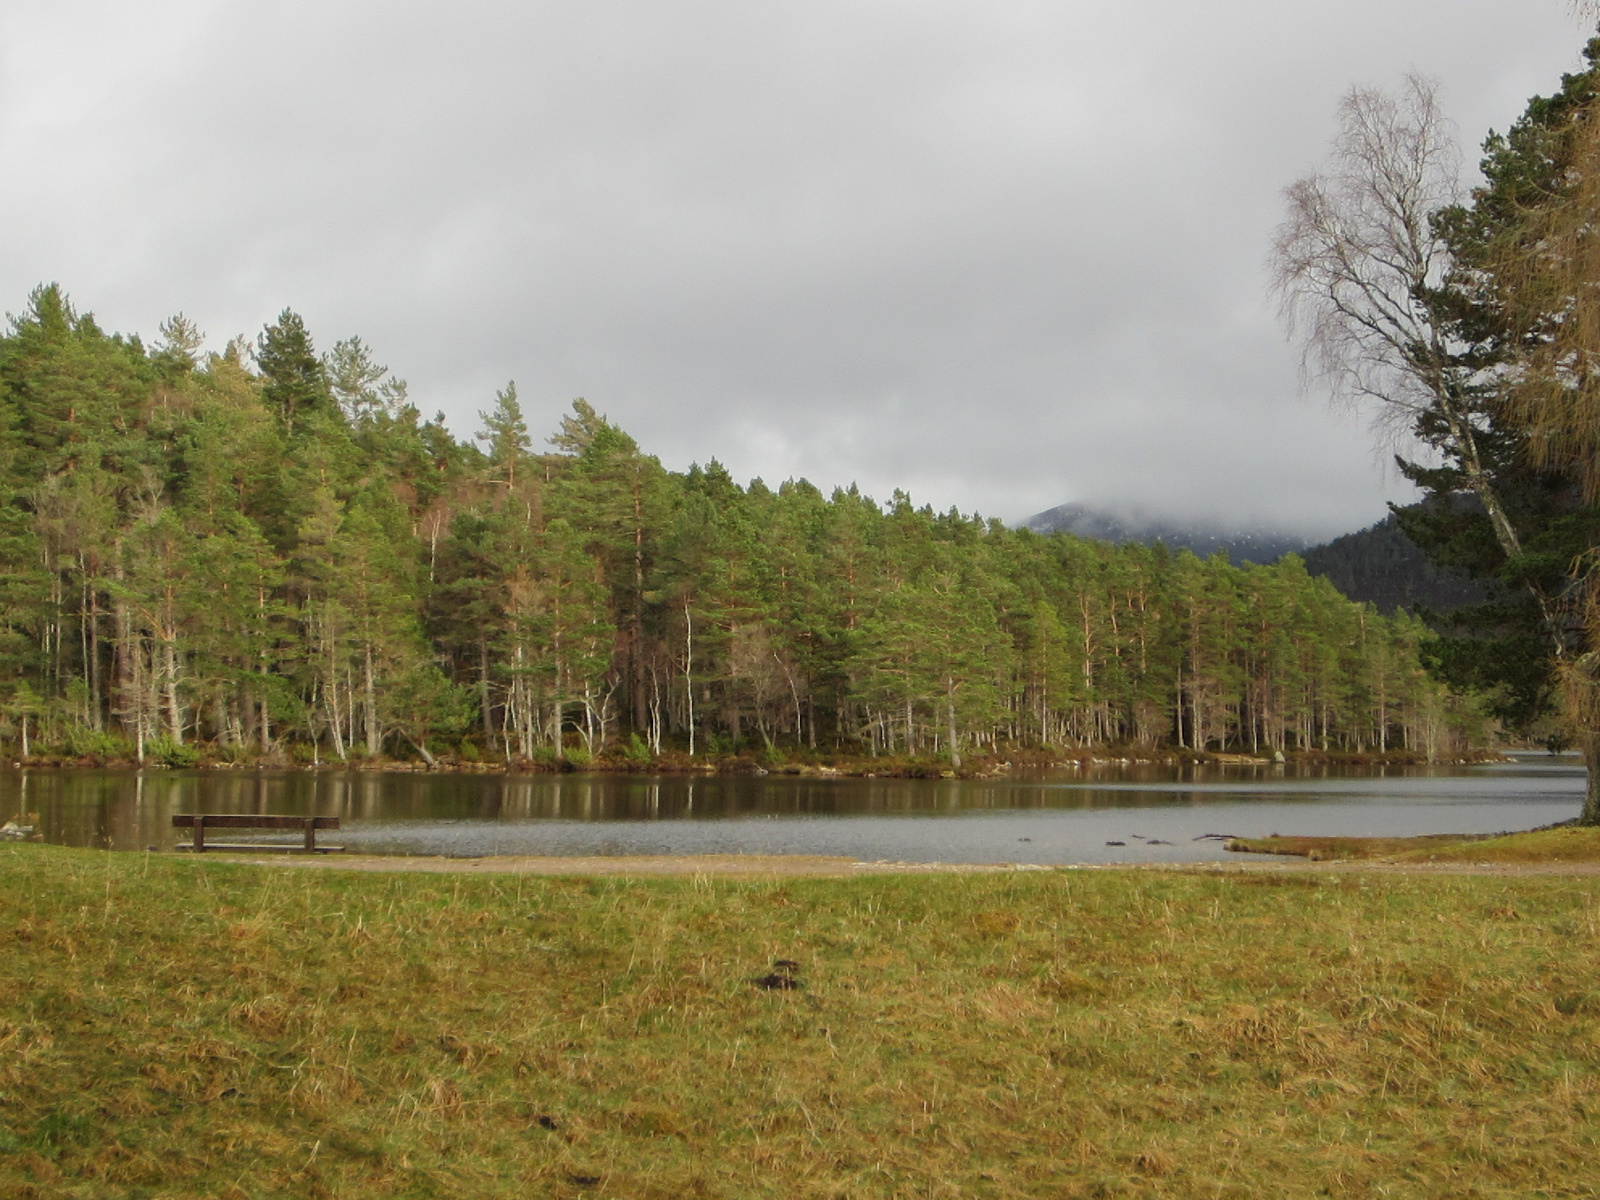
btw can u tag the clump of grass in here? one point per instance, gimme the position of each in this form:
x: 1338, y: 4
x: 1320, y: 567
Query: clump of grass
x: 1335, y: 849
x: 178, y: 1028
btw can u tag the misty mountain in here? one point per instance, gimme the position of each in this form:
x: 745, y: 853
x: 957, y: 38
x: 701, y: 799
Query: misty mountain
x: 1203, y: 538
x: 1379, y: 564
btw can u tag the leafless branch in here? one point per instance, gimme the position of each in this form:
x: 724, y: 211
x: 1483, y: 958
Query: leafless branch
x: 1356, y: 260
x: 1355, y: 252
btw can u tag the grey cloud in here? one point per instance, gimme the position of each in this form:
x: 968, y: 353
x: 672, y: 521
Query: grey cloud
x: 1004, y: 256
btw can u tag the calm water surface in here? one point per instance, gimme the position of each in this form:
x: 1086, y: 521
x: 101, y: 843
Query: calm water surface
x: 1063, y: 817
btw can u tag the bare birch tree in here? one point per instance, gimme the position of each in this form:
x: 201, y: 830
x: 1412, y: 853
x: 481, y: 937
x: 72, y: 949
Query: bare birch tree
x: 1357, y: 268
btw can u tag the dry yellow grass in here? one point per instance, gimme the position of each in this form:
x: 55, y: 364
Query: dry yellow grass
x: 1567, y: 844
x: 180, y: 1028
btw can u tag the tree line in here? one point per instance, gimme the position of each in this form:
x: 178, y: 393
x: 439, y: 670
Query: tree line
x: 268, y: 551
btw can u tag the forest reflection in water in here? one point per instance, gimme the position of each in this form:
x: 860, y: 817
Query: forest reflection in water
x: 1057, y: 817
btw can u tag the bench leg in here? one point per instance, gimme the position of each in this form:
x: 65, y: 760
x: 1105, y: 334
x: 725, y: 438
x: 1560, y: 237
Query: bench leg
x: 311, y: 835
x: 199, y: 835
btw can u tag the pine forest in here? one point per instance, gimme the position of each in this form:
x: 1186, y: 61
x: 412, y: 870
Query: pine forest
x: 267, y: 554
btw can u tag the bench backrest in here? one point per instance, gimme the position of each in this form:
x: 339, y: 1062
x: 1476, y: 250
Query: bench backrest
x: 247, y: 821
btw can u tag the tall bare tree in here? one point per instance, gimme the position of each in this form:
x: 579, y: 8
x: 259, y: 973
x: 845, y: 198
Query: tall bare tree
x: 1358, y: 268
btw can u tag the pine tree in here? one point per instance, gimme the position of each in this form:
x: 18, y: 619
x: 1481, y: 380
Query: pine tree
x: 506, y: 432
x: 296, y: 383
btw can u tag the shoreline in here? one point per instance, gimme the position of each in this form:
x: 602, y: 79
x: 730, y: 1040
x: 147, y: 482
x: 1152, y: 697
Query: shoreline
x: 811, y: 866
x: 841, y: 766
x: 739, y: 866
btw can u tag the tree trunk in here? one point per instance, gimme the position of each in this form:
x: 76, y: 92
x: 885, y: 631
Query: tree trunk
x: 96, y: 684
x: 1591, y: 795
x: 123, y: 688
x: 636, y: 651
x: 152, y: 679
x: 370, y: 702
x: 331, y: 700
x: 688, y: 668
x: 422, y: 749
x: 169, y: 670
x: 483, y: 693
x: 950, y: 713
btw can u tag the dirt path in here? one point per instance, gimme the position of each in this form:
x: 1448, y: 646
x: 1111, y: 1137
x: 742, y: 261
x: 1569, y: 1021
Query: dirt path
x: 788, y: 866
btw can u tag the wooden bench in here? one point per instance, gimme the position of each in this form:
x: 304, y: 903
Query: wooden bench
x: 200, y: 822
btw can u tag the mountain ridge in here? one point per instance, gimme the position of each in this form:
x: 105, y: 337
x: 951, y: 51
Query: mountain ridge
x: 1378, y: 564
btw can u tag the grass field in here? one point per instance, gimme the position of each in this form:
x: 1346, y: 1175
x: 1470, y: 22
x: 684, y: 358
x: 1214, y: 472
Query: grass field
x: 175, y: 1028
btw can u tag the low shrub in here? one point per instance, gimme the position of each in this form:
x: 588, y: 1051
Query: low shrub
x: 76, y: 741
x: 169, y: 753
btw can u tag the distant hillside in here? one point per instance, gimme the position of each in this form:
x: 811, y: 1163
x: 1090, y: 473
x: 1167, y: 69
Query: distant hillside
x: 1378, y: 564
x: 1384, y: 567
x: 1203, y: 538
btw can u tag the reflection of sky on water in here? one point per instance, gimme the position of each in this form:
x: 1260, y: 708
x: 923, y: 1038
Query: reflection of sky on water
x: 1048, y: 818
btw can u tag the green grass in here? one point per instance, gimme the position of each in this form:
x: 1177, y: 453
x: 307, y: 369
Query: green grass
x: 1565, y: 844
x: 174, y: 1028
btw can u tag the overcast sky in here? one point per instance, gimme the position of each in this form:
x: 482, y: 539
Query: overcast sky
x: 1003, y: 255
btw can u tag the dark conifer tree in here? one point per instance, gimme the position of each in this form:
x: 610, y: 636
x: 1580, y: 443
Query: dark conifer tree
x: 295, y: 383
